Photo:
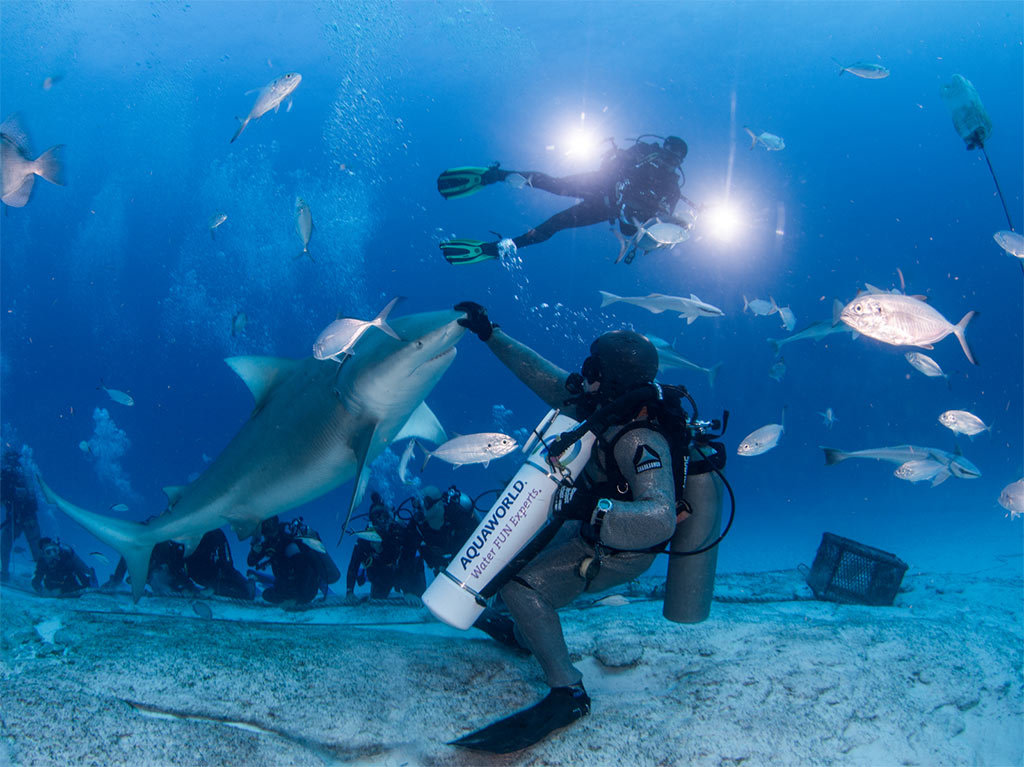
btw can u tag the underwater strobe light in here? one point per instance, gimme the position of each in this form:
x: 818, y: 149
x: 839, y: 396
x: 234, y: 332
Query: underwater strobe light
x: 723, y: 222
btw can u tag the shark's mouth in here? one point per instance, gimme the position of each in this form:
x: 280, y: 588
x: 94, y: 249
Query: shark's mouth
x: 449, y: 350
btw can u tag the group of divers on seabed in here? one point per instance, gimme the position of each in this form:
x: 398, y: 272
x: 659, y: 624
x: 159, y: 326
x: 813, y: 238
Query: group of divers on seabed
x: 651, y: 482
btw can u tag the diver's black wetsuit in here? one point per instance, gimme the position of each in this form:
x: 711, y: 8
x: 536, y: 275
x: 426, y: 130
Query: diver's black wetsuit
x: 20, y: 509
x: 438, y: 546
x: 299, y: 570
x: 67, y: 574
x: 167, y: 573
x: 635, y: 183
x: 211, y: 565
x: 391, y: 564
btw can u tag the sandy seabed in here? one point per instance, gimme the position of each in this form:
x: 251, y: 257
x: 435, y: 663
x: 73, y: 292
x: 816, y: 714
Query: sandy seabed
x: 772, y: 678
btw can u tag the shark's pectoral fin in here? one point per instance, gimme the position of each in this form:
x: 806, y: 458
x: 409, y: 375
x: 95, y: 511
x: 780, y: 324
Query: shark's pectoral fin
x: 190, y: 544
x: 422, y: 424
x: 245, y: 528
x: 371, y: 446
x: 261, y: 374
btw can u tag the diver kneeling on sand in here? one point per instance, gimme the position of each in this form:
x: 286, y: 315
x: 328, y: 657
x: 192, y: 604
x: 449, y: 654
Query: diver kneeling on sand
x: 637, y: 491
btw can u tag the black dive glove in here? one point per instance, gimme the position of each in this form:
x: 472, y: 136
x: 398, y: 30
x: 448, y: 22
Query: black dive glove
x: 574, y: 503
x: 476, y: 320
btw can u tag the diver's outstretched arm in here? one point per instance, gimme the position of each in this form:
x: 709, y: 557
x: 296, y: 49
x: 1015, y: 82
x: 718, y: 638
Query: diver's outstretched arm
x: 544, y: 378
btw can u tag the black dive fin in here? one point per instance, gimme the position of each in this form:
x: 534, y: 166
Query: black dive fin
x: 561, y: 707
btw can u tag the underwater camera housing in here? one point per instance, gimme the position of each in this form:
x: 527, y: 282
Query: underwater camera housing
x: 852, y: 573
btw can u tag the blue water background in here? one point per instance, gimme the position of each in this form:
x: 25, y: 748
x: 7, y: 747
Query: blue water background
x: 116, y: 277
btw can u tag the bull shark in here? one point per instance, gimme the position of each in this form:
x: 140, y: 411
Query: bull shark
x: 315, y: 425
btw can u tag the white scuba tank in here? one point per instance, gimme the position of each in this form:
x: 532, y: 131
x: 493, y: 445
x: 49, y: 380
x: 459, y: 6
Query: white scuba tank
x: 520, y: 511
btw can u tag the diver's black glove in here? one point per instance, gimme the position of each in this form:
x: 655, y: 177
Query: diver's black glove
x: 476, y: 320
x: 574, y: 503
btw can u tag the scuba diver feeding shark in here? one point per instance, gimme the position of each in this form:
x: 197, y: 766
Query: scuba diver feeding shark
x: 620, y: 470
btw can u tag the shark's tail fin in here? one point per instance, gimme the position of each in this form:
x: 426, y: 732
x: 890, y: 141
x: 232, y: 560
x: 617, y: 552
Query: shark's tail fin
x: 132, y: 540
x: 381, y: 319
x: 833, y: 456
x: 607, y: 298
x: 713, y: 374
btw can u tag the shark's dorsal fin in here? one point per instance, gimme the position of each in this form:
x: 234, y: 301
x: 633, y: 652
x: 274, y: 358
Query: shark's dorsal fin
x: 424, y: 425
x: 261, y: 374
x: 174, y: 493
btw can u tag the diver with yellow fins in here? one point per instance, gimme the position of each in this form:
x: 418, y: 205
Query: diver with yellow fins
x: 632, y: 185
x: 652, y: 478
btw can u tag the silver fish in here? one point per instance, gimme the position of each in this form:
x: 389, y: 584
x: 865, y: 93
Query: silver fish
x: 238, y: 323
x: 903, y: 321
x: 314, y: 543
x: 84, y: 446
x: 769, y: 141
x: 865, y: 70
x: 668, y: 358
x: 962, y: 422
x: 691, y: 308
x: 921, y: 470
x: 118, y: 396
x: 1012, y: 498
x: 653, y: 234
x: 99, y: 556
x: 764, y: 439
x: 473, y: 448
x: 760, y: 307
x: 828, y: 418
x: 270, y: 97
x: 925, y: 364
x: 518, y: 180
x: 1011, y: 242
x: 778, y: 370
x: 17, y: 168
x: 370, y: 535
x: 216, y: 220
x: 202, y: 610
x: 304, y: 226
x: 403, y: 463
x: 787, y: 317
x: 340, y: 336
x: 120, y: 508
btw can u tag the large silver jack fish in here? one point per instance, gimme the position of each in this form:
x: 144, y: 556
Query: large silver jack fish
x: 315, y: 426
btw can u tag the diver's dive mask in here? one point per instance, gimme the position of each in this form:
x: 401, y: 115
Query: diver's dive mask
x: 590, y: 373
